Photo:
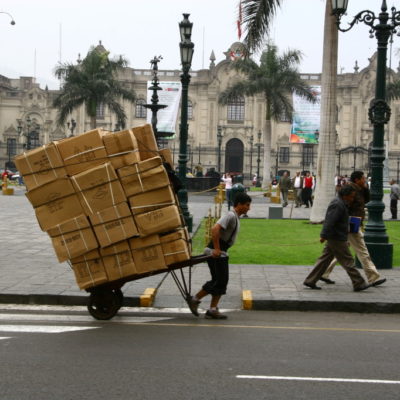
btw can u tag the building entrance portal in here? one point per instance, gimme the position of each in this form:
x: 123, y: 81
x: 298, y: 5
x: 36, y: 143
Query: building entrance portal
x: 234, y: 156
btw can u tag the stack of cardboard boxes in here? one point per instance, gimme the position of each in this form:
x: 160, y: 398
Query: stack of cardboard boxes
x: 106, y: 202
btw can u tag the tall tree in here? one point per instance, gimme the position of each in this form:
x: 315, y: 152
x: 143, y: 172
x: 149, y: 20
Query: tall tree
x: 326, y: 165
x: 92, y: 82
x: 276, y: 78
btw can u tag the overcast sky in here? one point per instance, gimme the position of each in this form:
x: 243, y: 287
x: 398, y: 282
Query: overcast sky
x: 141, y: 29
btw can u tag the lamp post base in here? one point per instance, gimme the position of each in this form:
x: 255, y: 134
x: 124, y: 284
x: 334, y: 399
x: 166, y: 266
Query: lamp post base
x: 381, y: 254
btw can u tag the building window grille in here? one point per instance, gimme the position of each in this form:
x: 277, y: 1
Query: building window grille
x: 140, y: 111
x: 236, y: 109
x: 307, y: 154
x: 100, y: 111
x: 11, y: 147
x: 284, y: 156
x: 190, y: 110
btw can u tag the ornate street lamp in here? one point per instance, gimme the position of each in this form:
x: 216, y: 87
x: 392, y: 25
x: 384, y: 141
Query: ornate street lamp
x: 71, y: 126
x: 276, y: 162
x: 383, y: 25
x: 12, y: 19
x: 31, y: 132
x: 219, y: 137
x: 251, y: 140
x: 258, y: 183
x: 186, y: 49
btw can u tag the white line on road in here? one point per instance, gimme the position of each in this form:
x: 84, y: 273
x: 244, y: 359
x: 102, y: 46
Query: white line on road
x: 5, y: 337
x: 76, y: 318
x: 299, y: 378
x: 43, y: 328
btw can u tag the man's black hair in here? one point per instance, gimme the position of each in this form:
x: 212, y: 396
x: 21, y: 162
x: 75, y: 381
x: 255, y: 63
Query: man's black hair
x: 241, y: 198
x: 356, y: 175
x: 346, y: 190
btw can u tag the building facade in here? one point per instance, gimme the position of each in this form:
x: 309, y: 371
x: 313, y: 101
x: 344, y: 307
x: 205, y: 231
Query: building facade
x: 28, y: 120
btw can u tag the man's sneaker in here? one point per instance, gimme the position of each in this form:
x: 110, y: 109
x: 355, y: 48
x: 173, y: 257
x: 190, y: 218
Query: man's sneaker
x: 215, y: 314
x: 378, y: 282
x: 362, y: 287
x: 193, y: 305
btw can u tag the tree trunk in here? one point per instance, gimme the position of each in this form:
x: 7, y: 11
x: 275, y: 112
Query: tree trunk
x: 93, y: 122
x: 326, y: 162
x: 267, y: 155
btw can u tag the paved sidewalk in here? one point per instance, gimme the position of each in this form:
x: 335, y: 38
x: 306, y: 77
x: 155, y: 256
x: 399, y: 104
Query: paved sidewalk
x: 30, y: 272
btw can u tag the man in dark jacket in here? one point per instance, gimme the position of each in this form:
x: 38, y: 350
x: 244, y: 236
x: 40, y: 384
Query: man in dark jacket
x: 285, y: 185
x: 334, y: 233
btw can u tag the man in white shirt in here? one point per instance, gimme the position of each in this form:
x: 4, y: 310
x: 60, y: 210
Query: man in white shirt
x: 297, y: 186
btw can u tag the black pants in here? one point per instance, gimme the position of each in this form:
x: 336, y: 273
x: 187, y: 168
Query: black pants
x: 393, y: 208
x: 307, y: 193
x: 219, y: 269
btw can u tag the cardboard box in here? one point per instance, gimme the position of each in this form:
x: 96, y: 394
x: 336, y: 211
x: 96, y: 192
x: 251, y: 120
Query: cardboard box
x: 175, y: 247
x: 166, y: 156
x: 122, y: 148
x: 55, y: 202
x: 143, y: 176
x: 118, y: 261
x: 161, y: 220
x: 146, y: 141
x: 73, y: 238
x: 147, y: 254
x: 40, y: 165
x: 113, y: 224
x: 82, y: 152
x: 149, y: 201
x: 89, y: 270
x: 98, y: 188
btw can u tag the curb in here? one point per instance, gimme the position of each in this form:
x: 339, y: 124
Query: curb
x: 147, y: 298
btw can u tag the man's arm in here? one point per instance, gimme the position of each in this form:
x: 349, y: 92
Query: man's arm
x: 215, y: 235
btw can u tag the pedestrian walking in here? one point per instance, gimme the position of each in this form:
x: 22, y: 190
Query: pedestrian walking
x: 394, y: 197
x: 356, y: 239
x: 334, y: 233
x: 297, y: 187
x: 308, y: 186
x: 227, y: 179
x: 284, y: 185
x: 224, y: 234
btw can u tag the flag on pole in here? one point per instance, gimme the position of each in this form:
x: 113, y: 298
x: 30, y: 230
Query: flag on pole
x: 239, y: 21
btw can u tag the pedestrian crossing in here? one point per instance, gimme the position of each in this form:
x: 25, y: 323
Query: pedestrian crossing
x: 57, y: 319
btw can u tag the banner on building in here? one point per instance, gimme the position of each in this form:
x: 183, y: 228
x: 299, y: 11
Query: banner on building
x: 171, y: 96
x: 306, y: 118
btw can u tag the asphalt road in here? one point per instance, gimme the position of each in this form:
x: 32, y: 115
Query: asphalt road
x: 52, y: 353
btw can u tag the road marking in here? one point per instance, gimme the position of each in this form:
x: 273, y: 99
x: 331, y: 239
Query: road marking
x: 43, y: 328
x: 4, y: 337
x: 300, y: 378
x: 77, y: 318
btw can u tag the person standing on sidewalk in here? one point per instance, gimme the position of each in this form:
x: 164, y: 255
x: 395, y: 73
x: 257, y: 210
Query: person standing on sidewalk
x: 356, y: 239
x: 284, y: 185
x: 227, y: 179
x: 224, y: 234
x: 308, y: 186
x: 297, y: 186
x: 334, y: 233
x: 394, y: 197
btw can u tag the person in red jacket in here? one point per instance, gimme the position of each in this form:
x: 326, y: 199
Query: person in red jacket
x: 308, y: 186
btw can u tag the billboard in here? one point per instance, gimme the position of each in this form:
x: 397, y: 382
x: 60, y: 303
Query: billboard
x: 171, y: 96
x: 306, y: 118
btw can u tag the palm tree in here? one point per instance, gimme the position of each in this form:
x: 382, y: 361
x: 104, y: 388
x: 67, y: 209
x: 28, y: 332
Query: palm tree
x: 393, y: 90
x: 276, y: 78
x: 92, y: 82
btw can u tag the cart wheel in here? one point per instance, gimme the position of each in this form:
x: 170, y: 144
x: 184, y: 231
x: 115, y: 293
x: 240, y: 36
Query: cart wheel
x: 120, y: 297
x: 103, y: 305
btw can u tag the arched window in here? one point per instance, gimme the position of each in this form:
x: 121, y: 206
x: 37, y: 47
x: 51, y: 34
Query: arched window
x: 140, y: 111
x: 190, y: 109
x: 236, y: 109
x: 100, y: 111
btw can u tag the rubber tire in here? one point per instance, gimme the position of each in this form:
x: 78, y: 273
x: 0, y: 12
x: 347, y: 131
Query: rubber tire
x: 120, y: 297
x: 103, y: 305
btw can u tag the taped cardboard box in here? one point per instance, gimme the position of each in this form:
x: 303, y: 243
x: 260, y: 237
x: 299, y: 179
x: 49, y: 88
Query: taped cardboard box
x: 147, y: 254
x: 151, y: 200
x: 122, y: 148
x: 162, y: 220
x: 89, y: 270
x: 143, y: 176
x: 40, y: 165
x: 146, y: 141
x: 118, y: 261
x: 166, y: 156
x: 113, y: 224
x: 73, y: 238
x: 55, y: 202
x: 83, y: 152
x: 98, y: 188
x: 175, y: 247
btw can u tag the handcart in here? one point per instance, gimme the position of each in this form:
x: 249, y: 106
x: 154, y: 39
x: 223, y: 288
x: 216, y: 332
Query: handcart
x: 106, y: 299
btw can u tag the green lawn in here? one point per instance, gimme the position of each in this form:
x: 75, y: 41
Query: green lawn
x: 283, y: 242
